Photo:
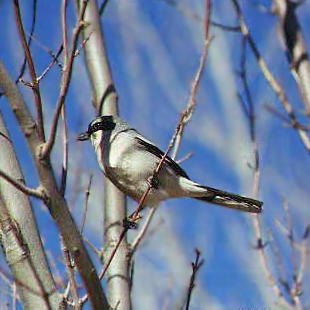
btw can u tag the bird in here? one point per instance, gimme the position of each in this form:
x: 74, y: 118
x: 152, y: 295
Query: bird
x: 129, y: 160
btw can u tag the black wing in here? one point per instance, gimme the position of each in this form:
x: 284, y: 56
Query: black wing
x: 159, y: 153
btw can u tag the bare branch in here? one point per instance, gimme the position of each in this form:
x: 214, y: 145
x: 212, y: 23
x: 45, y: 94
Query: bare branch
x: 295, y: 46
x: 66, y: 78
x: 33, y: 24
x: 48, y: 68
x: 195, y: 268
x: 87, y: 193
x: 142, y: 232
x: 65, y: 30
x: 249, y: 109
x: 190, y: 14
x: 274, y: 84
x: 55, y: 201
x: 22, y: 187
x: 35, y: 85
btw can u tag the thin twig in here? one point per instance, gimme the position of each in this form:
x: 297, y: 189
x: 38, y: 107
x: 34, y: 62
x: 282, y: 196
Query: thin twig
x: 94, y: 249
x: 185, y: 115
x: 190, y: 14
x: 65, y: 30
x: 67, y: 72
x: 82, y: 45
x: 49, y: 67
x: 274, y: 84
x: 191, y: 104
x: 35, y: 85
x: 87, y: 194
x: 195, y: 268
x: 33, y: 24
x: 249, y: 109
x: 22, y: 187
x: 185, y: 158
x: 142, y: 232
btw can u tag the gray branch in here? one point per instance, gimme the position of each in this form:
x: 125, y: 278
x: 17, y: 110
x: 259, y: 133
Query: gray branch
x: 105, y: 101
x: 295, y: 46
x: 20, y: 238
x: 53, y: 198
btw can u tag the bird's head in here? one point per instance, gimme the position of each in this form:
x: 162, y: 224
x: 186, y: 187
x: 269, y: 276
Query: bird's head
x: 101, y: 123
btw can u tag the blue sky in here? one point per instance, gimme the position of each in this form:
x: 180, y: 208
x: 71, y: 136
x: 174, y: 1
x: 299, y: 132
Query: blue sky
x: 154, y: 51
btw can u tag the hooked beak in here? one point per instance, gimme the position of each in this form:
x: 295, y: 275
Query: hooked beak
x: 83, y: 136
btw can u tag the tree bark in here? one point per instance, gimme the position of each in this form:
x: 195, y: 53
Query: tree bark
x: 53, y: 198
x: 20, y: 239
x: 105, y: 101
x: 295, y: 46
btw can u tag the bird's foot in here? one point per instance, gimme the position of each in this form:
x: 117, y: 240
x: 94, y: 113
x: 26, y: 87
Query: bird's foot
x: 153, y: 181
x: 132, y: 221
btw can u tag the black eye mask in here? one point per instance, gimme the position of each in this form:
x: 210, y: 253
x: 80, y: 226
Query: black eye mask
x: 106, y: 123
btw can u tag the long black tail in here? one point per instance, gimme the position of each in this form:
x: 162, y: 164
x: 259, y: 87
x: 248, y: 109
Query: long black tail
x: 231, y: 200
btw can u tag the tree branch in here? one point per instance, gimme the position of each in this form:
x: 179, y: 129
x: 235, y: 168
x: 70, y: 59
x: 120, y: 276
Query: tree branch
x: 66, y: 78
x: 34, y: 85
x: 195, y: 268
x: 37, y: 193
x: 295, y: 46
x: 274, y: 84
x: 56, y: 203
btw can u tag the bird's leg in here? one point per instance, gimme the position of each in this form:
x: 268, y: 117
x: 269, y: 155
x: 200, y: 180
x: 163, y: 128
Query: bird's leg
x: 131, y: 222
x: 153, y: 181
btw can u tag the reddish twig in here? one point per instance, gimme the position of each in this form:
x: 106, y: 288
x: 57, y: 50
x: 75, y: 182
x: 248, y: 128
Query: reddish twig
x: 87, y: 193
x: 184, y: 118
x: 34, y: 85
x: 32, y: 28
x: 67, y: 72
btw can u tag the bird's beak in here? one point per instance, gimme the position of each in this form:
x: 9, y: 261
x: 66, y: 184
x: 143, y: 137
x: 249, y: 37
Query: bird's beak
x: 83, y: 136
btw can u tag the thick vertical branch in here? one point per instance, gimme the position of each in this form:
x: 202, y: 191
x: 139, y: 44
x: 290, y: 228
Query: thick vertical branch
x: 105, y: 101
x: 25, y: 254
x: 53, y: 199
x: 295, y: 46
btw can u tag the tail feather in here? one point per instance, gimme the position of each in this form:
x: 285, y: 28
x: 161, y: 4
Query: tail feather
x: 231, y: 200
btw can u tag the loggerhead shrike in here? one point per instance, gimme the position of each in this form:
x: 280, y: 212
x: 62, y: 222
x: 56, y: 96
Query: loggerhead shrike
x: 128, y: 160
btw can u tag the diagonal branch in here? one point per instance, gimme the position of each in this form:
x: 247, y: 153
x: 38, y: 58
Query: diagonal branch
x: 37, y: 193
x: 295, y: 46
x: 274, y: 84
